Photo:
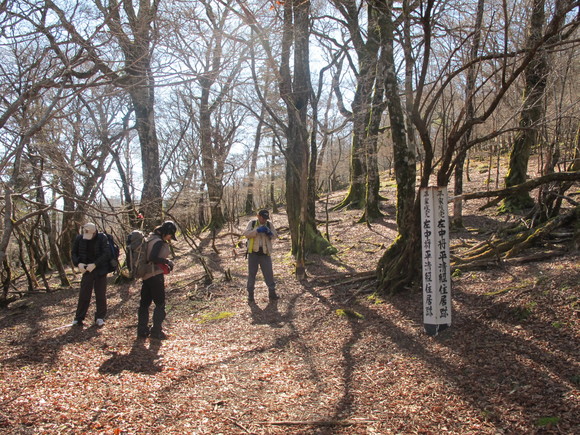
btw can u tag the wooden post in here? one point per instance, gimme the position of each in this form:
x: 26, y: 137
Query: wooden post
x: 435, y: 260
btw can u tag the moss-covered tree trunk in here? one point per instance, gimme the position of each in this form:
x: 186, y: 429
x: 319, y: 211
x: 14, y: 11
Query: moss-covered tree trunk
x: 532, y: 114
x: 367, y: 109
x: 372, y: 186
x: 296, y: 91
x: 355, y: 196
x: 399, y: 266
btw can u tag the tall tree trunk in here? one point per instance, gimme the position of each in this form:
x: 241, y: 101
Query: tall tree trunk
x: 273, y: 201
x: 69, y: 224
x: 400, y: 264
x: 296, y: 92
x: 295, y: 89
x: 457, y: 219
x: 532, y: 113
x: 210, y: 160
x: 409, y: 71
x: 47, y: 228
x: 140, y: 84
x: 373, y: 182
x: 367, y: 108
x: 249, y: 206
x: 143, y: 99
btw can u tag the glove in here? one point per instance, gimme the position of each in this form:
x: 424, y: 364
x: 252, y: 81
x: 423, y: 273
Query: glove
x: 269, y: 233
x: 82, y: 267
x: 91, y: 267
x: 262, y: 229
x: 170, y: 265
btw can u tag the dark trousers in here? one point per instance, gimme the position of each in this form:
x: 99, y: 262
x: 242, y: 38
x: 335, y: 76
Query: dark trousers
x: 152, y: 290
x: 264, y: 262
x: 91, y: 281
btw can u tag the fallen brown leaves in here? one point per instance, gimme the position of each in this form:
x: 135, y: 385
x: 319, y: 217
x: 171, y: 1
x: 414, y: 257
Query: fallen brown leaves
x: 509, y: 363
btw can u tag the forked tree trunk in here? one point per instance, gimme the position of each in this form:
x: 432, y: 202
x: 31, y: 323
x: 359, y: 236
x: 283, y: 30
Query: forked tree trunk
x: 367, y: 109
x: 295, y: 89
x: 135, y: 35
x: 296, y: 92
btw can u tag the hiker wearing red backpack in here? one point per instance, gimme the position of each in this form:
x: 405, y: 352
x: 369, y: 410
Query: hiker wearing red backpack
x: 153, y: 287
x: 260, y: 232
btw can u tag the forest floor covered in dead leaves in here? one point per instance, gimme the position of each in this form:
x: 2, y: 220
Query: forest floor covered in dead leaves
x: 327, y: 358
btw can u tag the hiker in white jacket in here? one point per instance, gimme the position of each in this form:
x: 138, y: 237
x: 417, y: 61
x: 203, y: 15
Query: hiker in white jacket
x: 260, y: 233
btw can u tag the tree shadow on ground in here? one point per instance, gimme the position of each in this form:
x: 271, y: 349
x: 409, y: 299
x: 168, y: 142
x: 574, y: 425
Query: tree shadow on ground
x: 487, y: 369
x: 46, y: 350
x: 321, y: 265
x: 42, y: 345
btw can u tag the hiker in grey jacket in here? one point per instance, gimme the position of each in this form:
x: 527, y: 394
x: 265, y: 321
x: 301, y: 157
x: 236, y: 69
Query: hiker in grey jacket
x: 153, y: 287
x: 260, y: 233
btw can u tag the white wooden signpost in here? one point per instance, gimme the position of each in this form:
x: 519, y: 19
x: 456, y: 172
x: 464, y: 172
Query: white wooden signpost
x: 436, y: 267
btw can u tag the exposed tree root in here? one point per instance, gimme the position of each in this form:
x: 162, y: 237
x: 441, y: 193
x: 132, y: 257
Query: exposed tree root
x: 500, y: 249
x: 487, y: 263
x: 400, y: 266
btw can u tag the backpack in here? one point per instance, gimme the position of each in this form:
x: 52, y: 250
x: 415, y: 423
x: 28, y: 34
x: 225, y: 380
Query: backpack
x: 137, y: 254
x: 115, y: 251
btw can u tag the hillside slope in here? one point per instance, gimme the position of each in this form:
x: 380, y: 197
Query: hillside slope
x: 326, y: 358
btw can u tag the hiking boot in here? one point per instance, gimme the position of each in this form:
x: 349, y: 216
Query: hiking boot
x: 100, y: 323
x: 158, y: 335
x: 143, y: 332
x: 77, y: 322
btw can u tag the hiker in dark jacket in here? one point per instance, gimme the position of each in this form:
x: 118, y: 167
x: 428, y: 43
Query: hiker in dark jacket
x: 153, y: 287
x: 91, y: 254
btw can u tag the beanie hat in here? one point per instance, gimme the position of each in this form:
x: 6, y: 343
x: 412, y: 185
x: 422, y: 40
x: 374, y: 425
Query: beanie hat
x: 89, y: 230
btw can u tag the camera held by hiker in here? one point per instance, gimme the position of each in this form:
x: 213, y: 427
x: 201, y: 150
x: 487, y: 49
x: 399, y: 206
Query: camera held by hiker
x: 260, y: 232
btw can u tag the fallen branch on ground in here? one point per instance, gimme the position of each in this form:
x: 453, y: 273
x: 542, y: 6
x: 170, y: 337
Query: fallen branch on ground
x: 562, y: 177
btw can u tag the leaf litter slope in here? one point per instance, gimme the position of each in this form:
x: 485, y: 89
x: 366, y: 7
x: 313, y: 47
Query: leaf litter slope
x: 508, y: 364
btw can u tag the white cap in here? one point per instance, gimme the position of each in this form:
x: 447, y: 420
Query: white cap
x: 89, y: 230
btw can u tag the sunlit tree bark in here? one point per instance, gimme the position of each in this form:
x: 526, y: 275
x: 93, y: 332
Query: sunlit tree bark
x: 293, y: 79
x: 367, y: 106
x: 531, y: 115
